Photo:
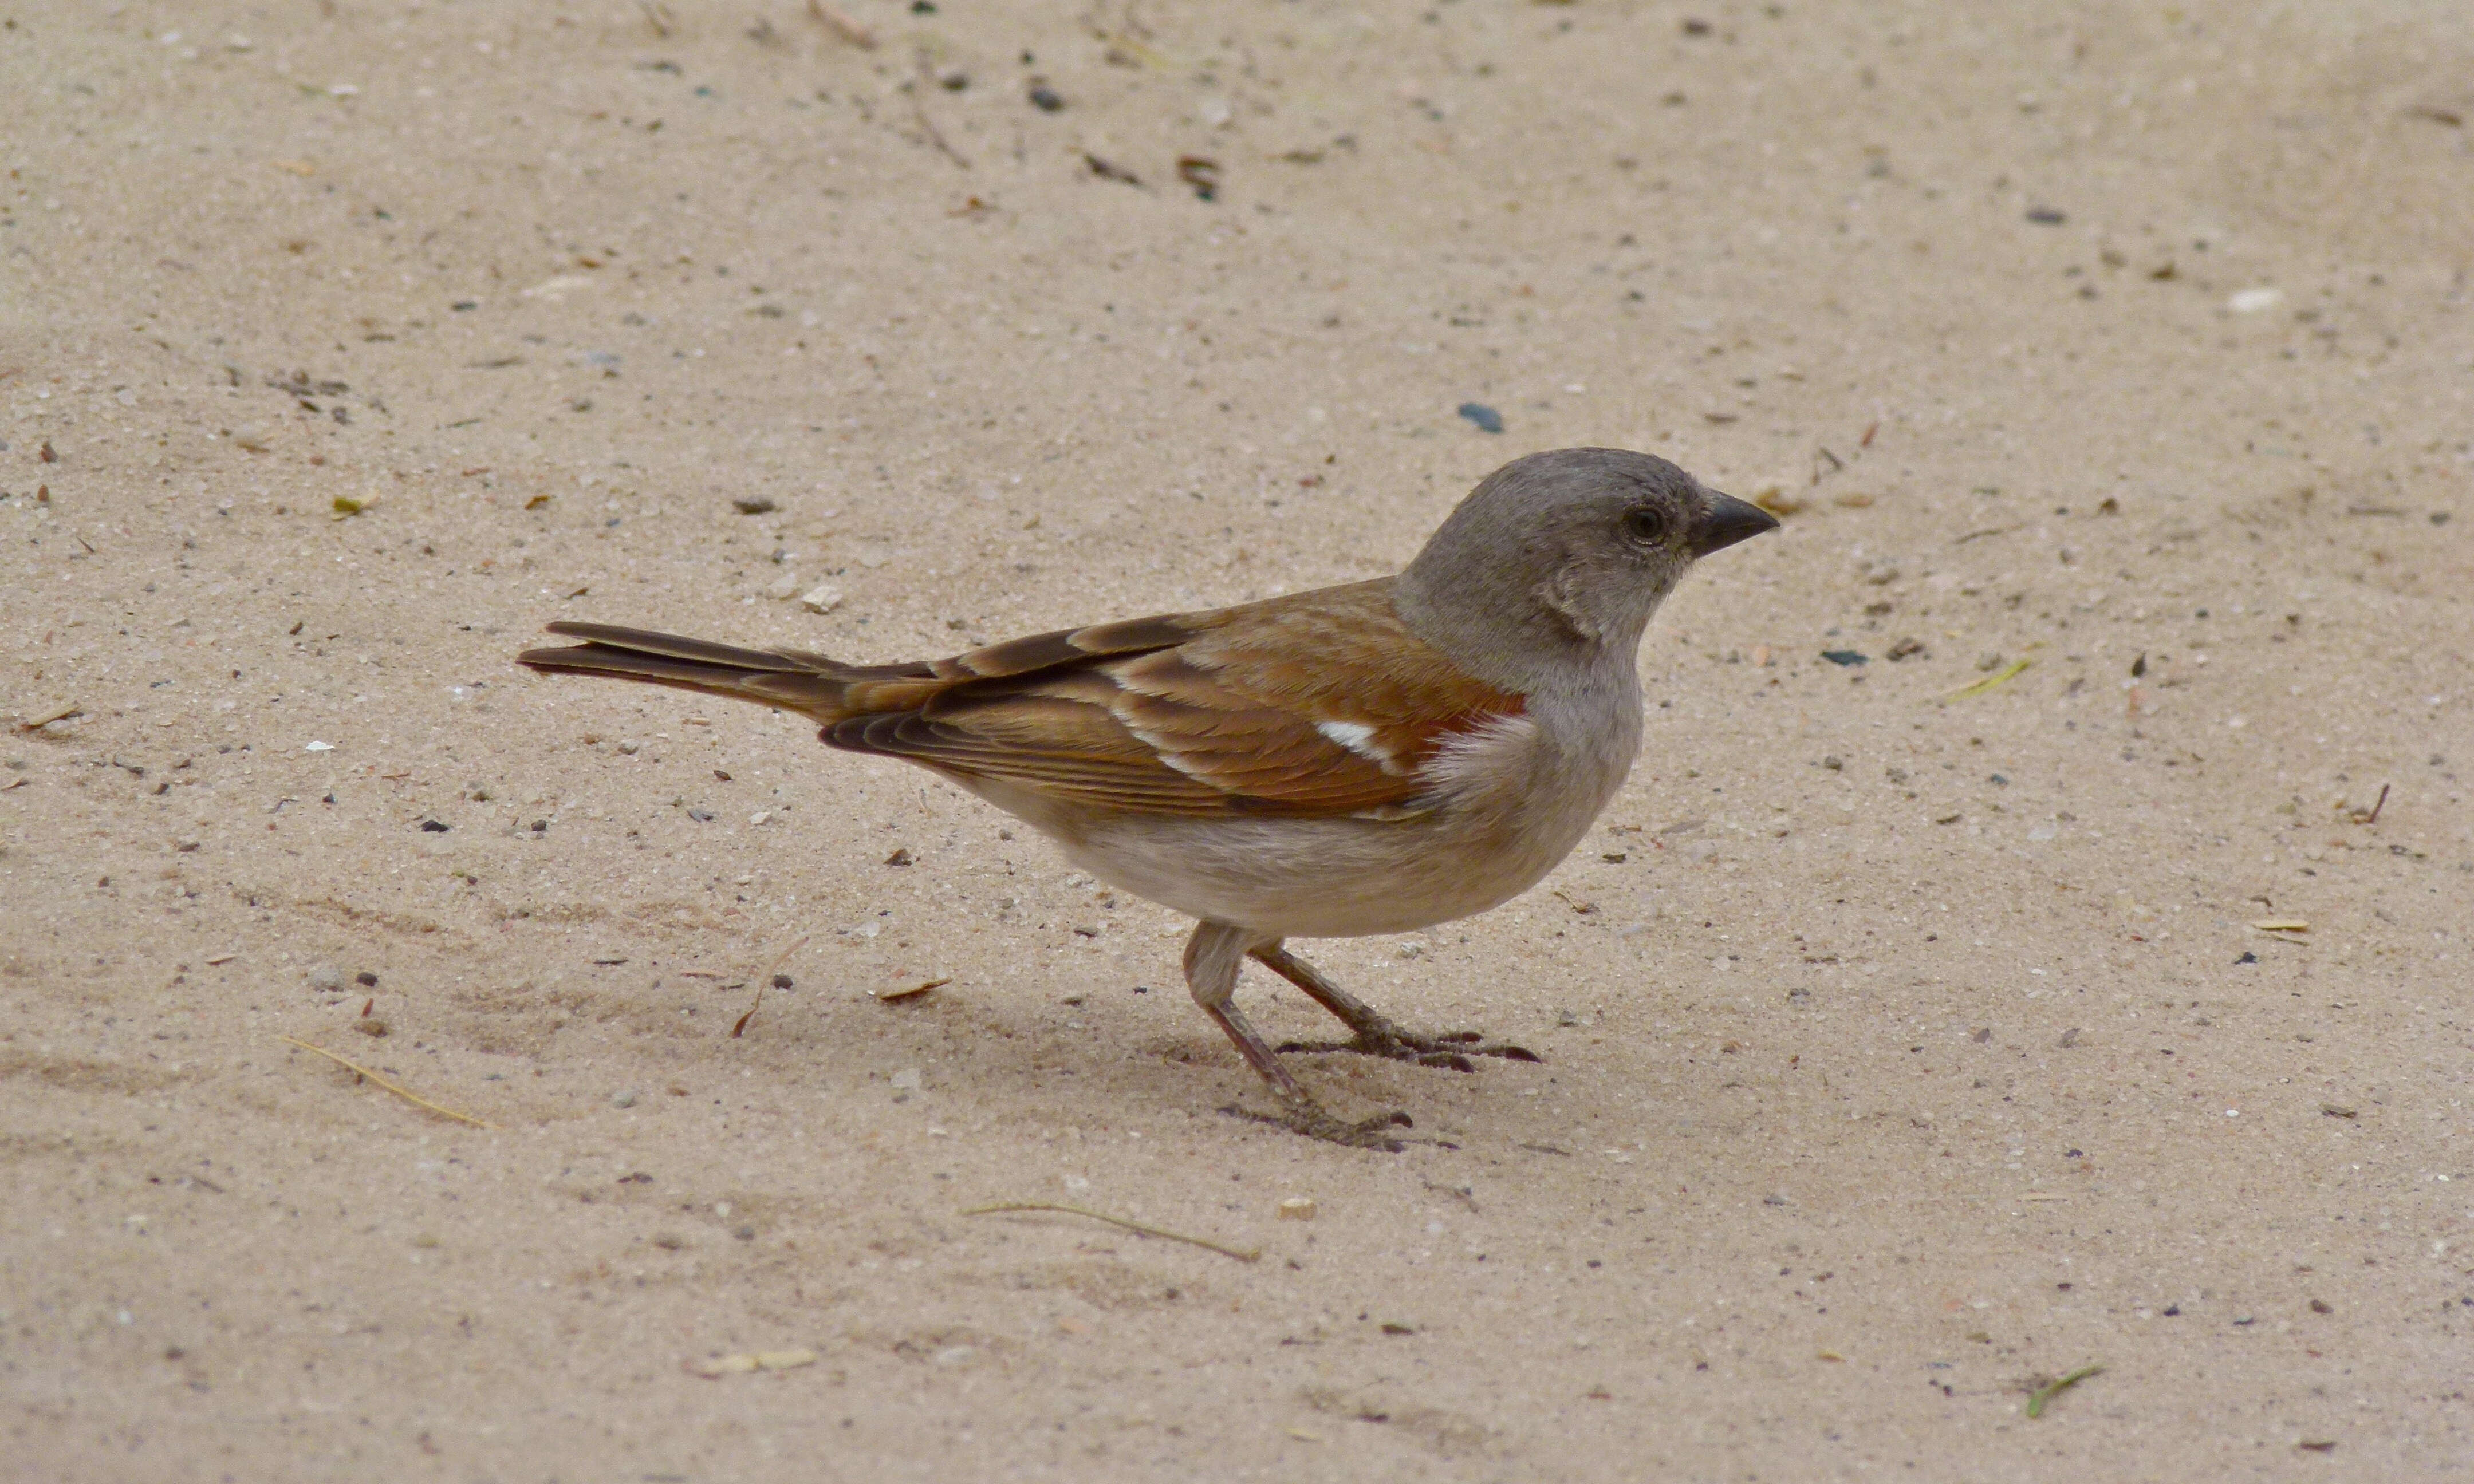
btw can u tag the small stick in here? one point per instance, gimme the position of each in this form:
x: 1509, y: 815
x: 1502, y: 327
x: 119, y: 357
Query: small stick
x: 762, y: 980
x: 2037, y: 1399
x: 398, y: 1089
x: 832, y: 19
x: 1241, y: 1254
x: 2372, y: 816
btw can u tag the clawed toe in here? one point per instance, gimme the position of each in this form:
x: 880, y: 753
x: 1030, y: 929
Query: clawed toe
x: 1313, y: 1122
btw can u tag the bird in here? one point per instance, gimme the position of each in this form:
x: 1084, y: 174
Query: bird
x: 1374, y: 757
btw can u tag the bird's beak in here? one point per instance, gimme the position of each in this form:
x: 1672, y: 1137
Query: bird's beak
x: 1729, y: 520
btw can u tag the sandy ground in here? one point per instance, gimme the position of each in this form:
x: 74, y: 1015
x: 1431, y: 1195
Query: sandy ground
x: 1905, y: 1048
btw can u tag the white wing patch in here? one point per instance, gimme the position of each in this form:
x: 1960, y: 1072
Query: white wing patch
x: 1358, y: 738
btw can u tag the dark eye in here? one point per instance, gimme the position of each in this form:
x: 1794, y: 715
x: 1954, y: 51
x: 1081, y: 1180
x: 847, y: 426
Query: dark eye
x: 1646, y: 524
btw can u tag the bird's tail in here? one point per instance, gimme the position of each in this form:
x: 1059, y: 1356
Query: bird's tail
x: 810, y: 685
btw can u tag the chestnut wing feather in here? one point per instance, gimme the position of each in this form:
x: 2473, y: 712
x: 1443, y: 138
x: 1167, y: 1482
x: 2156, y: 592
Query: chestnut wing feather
x: 1315, y: 705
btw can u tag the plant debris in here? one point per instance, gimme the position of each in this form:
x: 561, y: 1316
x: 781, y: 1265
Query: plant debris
x: 396, y: 1087
x: 2371, y: 815
x: 833, y: 19
x: 2046, y: 1392
x: 772, y: 977
x: 720, y: 1366
x: 2006, y: 673
x: 1203, y: 172
x: 1139, y: 1229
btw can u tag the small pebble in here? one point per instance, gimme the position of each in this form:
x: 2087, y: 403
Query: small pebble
x: 366, y: 979
x: 783, y: 588
x: 1487, y: 418
x: 822, y: 598
x: 626, y: 1099
x: 907, y: 1080
x: 753, y: 505
x: 373, y: 1026
x: 1298, y: 1208
x: 327, y: 979
x: 1045, y: 97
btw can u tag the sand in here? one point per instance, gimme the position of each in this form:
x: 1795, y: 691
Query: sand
x: 1906, y: 1047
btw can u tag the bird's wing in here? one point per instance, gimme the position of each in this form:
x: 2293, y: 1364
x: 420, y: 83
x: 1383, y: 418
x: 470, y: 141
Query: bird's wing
x: 1319, y: 703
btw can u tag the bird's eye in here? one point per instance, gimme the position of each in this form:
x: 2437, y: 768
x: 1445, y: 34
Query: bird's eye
x: 1646, y: 524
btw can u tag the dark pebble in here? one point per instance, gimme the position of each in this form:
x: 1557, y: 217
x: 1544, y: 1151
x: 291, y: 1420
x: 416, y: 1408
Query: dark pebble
x: 2045, y: 216
x: 753, y: 505
x: 1045, y: 97
x: 433, y: 826
x: 1843, y: 656
x: 1487, y: 418
x: 701, y: 816
x: 366, y: 979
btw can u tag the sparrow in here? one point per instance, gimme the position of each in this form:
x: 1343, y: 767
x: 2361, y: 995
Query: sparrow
x: 1374, y: 757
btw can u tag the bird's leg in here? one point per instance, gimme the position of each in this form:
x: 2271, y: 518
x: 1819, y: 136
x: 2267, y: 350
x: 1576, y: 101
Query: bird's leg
x: 1375, y: 1034
x: 1213, y: 956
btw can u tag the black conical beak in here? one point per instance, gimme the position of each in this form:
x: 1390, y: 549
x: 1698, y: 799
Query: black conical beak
x: 1729, y: 520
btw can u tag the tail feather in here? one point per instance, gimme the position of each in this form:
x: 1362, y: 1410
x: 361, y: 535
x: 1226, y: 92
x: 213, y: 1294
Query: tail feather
x: 807, y: 683
x: 646, y: 641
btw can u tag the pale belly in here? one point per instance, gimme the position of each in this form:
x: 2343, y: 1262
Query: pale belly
x: 1520, y: 810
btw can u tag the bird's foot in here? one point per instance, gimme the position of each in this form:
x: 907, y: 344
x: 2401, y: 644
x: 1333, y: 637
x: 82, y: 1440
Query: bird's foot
x: 1307, y: 1118
x: 1450, y: 1049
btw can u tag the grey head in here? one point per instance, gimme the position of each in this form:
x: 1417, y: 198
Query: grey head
x: 1559, y: 560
